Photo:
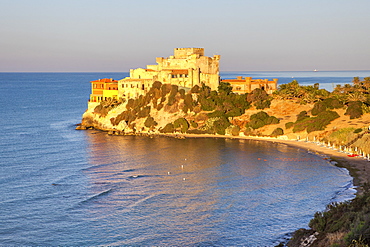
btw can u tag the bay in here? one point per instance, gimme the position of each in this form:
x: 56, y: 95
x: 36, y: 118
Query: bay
x: 59, y: 186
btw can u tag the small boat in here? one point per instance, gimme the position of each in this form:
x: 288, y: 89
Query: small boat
x: 352, y: 155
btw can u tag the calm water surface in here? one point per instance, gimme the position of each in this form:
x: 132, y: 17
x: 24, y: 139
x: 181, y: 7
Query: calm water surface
x: 59, y: 186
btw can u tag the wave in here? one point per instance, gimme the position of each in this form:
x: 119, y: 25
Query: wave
x: 96, y: 196
x: 134, y: 204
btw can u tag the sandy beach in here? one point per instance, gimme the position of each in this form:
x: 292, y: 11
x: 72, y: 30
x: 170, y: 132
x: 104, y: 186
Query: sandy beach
x: 358, y: 167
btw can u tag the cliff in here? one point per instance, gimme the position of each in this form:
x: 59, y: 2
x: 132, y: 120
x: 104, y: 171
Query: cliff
x: 166, y: 109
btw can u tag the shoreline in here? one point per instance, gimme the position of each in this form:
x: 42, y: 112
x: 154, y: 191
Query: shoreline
x: 358, y: 167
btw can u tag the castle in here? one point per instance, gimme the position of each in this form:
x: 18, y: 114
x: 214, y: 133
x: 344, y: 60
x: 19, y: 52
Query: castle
x: 186, y: 68
x: 246, y: 85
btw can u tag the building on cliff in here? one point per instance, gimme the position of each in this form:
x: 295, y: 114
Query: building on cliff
x: 103, y: 89
x: 246, y: 85
x: 186, y: 68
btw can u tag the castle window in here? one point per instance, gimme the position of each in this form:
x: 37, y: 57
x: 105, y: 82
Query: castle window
x: 142, y: 87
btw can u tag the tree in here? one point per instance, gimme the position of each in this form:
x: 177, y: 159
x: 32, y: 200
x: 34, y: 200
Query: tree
x: 225, y: 87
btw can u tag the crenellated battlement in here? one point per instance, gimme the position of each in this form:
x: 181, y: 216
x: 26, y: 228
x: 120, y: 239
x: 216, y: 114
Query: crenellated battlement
x: 186, y: 52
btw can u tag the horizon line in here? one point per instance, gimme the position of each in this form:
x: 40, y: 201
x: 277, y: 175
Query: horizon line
x: 235, y: 71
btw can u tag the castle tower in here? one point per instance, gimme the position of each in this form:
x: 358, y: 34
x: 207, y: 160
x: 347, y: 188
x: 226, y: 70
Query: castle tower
x: 186, y: 68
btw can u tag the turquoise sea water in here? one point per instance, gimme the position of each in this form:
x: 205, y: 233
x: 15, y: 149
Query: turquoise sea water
x: 59, y: 186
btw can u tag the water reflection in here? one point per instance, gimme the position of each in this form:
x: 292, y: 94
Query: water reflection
x: 165, y: 191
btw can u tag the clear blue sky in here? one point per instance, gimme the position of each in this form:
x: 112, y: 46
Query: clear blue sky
x: 116, y: 35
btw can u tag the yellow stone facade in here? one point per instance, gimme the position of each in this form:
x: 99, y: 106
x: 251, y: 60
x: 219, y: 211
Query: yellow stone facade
x: 246, y: 85
x: 186, y: 68
x: 103, y: 89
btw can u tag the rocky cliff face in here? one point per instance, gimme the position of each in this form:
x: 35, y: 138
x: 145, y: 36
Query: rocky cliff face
x: 166, y: 109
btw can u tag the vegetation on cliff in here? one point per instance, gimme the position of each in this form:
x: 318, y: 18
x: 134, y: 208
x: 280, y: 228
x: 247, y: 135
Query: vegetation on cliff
x: 200, y: 110
x: 341, y: 224
x: 203, y: 111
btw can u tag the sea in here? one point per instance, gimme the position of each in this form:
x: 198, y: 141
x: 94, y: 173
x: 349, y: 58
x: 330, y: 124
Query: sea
x: 61, y: 186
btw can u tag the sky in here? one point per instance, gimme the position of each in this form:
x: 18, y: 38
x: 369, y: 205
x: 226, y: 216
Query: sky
x: 118, y: 35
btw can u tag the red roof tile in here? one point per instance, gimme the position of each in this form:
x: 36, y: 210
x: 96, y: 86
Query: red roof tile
x: 106, y: 80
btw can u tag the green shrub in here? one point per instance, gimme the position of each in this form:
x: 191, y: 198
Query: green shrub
x: 171, y: 99
x: 289, y: 125
x: 225, y: 87
x: 260, y: 98
x: 315, y: 123
x: 272, y: 120
x: 332, y: 103
x: 322, y: 120
x: 197, y: 109
x: 302, y: 115
x: 169, y: 128
x: 102, y: 109
x: 130, y: 104
x: 354, y: 109
x: 328, y: 116
x: 127, y: 116
x: 193, y: 124
x: 256, y: 123
x: 201, y: 117
x: 207, y: 104
x: 261, y: 119
x: 188, y: 101
x: 277, y: 132
x: 342, y: 136
x: 234, y: 112
x: 233, y: 130
x: 351, y: 216
x: 195, y: 89
x: 157, y: 84
x: 149, y: 122
x: 182, y: 93
x: 301, y: 126
x: 317, y: 108
x: 257, y: 95
x: 144, y: 112
x: 181, y: 123
x: 221, y: 125
x: 248, y: 131
x: 262, y: 104
x: 216, y: 114
x: 185, y: 109
x: 260, y: 115
x: 160, y: 106
x: 357, y: 130
x: 166, y: 88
